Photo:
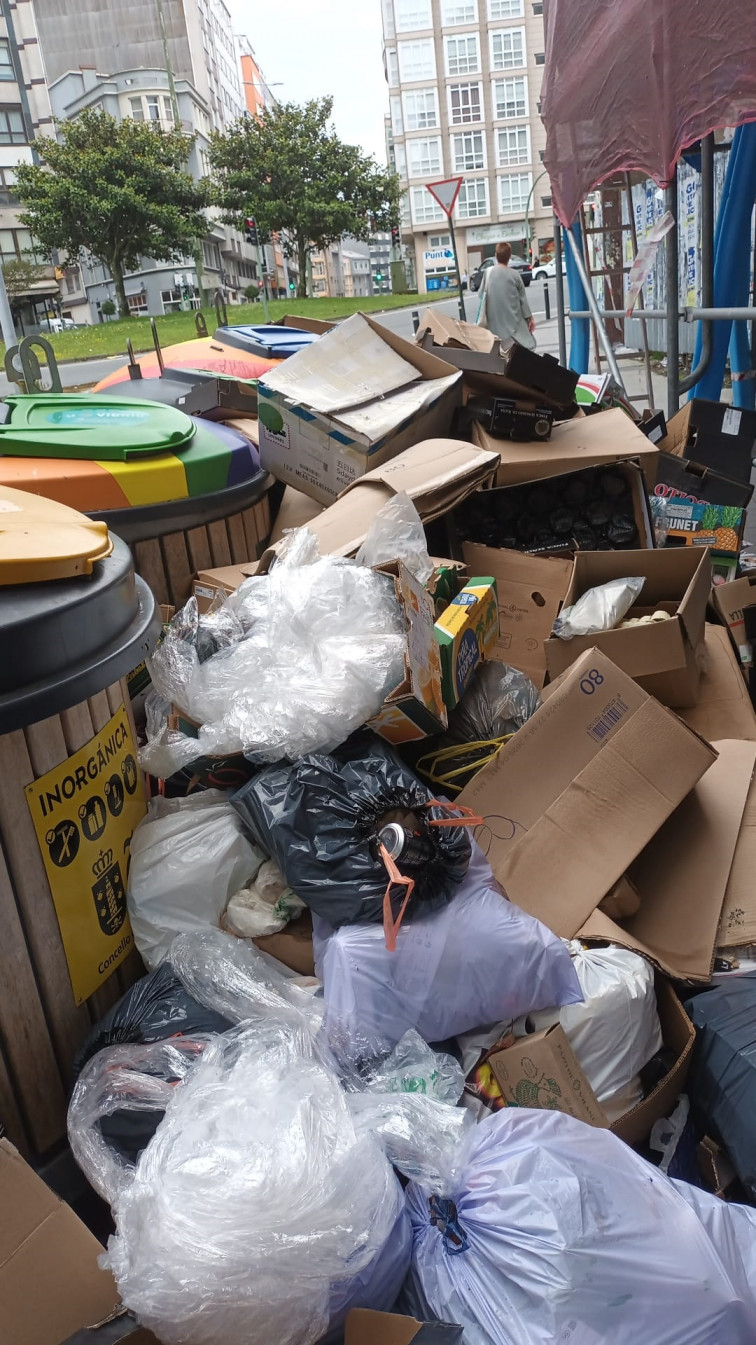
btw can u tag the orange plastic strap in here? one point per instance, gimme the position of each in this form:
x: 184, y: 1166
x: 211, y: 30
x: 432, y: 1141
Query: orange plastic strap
x: 467, y: 817
x: 390, y: 926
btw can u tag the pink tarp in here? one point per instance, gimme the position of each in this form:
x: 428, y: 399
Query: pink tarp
x: 630, y: 83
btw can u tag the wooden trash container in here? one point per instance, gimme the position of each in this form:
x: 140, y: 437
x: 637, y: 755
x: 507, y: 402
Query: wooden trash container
x: 70, y: 797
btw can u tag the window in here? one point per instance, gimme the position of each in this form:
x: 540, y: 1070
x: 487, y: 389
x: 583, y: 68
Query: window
x: 454, y: 12
x: 397, y: 126
x: 538, y: 7
x: 508, y: 49
x: 420, y: 109
x: 505, y: 9
x: 417, y: 60
x: 167, y: 108
x: 472, y: 201
x: 73, y: 279
x: 513, y: 145
x: 212, y: 255
x: 153, y: 107
x: 465, y: 104
x: 137, y: 303
x: 6, y: 60
x: 545, y: 200
x: 400, y: 161
x: 392, y: 67
x: 510, y: 97
x: 468, y: 152
x: 15, y: 244
x: 425, y: 208
x: 540, y: 58
x: 405, y: 217
x: 12, y: 126
x: 424, y: 157
x: 462, y: 55
x: 412, y: 14
x: 514, y: 190
x: 388, y: 18
x: 439, y: 241
x: 137, y: 111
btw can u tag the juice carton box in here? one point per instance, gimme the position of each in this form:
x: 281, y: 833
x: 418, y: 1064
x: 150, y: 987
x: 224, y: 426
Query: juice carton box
x: 467, y: 633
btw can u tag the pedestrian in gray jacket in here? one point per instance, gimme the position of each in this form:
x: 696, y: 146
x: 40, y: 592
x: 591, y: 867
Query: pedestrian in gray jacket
x: 504, y: 308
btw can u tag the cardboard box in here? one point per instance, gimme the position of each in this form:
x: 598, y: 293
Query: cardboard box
x: 366, y: 1327
x: 715, y: 435
x: 680, y: 478
x: 724, y: 708
x: 730, y: 601
x: 348, y: 403
x: 226, y: 579
x: 50, y: 1283
x: 292, y: 945
x: 692, y: 523
x: 301, y: 324
x: 530, y: 590
x: 296, y: 510
x: 415, y: 708
x: 542, y: 1071
x: 586, y: 441
x: 488, y: 367
x: 466, y: 634
x: 120, y: 1330
x: 581, y: 789
x: 737, y: 927
x: 662, y: 656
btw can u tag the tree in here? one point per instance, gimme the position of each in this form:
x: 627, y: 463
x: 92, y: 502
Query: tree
x: 118, y: 190
x: 21, y: 275
x: 289, y: 170
x: 108, y: 308
x: 252, y: 292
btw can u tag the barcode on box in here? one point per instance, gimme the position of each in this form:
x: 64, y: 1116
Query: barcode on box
x: 606, y: 721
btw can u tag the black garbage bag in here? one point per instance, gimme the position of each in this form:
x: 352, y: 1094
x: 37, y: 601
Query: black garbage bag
x: 156, y: 1008
x: 319, y: 819
x: 722, y: 1081
x: 497, y: 703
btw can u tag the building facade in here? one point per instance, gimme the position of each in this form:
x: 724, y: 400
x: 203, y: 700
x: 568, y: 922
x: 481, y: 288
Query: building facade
x: 464, y: 81
x: 380, y: 263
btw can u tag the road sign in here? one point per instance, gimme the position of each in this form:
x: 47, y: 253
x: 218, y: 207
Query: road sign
x: 446, y: 192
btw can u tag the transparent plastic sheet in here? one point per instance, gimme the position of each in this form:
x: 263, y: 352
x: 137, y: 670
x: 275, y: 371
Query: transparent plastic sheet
x: 187, y: 857
x: 323, y: 642
x: 478, y: 960
x: 628, y: 86
x: 397, y: 533
x: 550, y: 1229
x: 600, y: 609
x: 166, y: 750
x: 412, y: 1067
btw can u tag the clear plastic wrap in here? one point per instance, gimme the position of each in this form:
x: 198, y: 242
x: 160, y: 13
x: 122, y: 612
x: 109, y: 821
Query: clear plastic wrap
x: 397, y: 533
x: 166, y: 750
x: 600, y: 609
x: 187, y: 857
x: 499, y: 701
x: 322, y: 643
x: 550, y: 1229
x: 412, y: 1067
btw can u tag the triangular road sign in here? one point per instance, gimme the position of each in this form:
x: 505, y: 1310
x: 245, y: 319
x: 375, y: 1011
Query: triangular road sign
x: 446, y: 192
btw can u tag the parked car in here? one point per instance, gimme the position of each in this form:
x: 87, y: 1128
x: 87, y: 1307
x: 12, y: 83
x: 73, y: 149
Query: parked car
x: 547, y: 270
x: 61, y: 324
x: 517, y: 264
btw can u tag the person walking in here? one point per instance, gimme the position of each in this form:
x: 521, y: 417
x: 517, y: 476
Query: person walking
x: 504, y: 308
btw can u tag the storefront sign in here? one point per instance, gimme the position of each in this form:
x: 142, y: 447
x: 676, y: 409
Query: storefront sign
x: 84, y: 813
x: 495, y: 233
x: 439, y: 257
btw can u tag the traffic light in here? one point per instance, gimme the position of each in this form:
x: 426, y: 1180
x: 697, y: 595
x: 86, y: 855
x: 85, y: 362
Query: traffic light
x: 292, y: 286
x: 379, y: 276
x: 396, y: 235
x: 250, y: 232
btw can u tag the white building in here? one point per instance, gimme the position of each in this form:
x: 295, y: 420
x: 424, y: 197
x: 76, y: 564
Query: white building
x: 464, y: 81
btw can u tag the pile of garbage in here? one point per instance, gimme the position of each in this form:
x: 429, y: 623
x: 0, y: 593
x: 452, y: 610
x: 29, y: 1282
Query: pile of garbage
x: 443, y: 893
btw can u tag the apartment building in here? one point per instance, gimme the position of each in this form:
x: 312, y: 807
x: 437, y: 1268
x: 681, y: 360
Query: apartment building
x: 464, y: 81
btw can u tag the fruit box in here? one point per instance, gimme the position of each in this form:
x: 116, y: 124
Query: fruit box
x: 467, y: 633
x: 694, y: 523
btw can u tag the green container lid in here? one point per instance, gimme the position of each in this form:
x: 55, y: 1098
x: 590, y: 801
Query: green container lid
x: 78, y: 425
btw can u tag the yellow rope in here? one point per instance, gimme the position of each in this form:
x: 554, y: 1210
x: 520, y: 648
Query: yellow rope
x: 430, y: 766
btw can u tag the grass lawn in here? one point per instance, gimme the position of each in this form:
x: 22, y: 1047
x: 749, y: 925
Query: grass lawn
x: 109, y: 338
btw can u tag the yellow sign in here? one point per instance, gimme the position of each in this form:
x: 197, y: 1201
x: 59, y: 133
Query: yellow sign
x: 84, y: 813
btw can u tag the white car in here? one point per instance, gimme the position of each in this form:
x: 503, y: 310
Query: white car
x: 61, y: 324
x: 547, y: 270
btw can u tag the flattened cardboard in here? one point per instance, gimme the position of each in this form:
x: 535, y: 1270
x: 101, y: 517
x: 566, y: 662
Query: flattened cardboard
x: 542, y: 1071
x: 730, y: 601
x: 661, y: 657
x: 502, y: 371
x: 713, y: 434
x: 530, y: 591
x: 50, y: 1283
x: 296, y: 510
x: 415, y: 708
x: 121, y: 1330
x: 226, y: 579
x: 737, y: 927
x: 724, y: 708
x: 586, y: 441
x: 367, y: 1327
x: 292, y: 945
x: 682, y: 875
x: 580, y: 790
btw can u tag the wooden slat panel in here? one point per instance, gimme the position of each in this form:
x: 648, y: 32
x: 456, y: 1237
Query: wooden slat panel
x: 11, y: 1123
x: 100, y: 711
x: 77, y: 727
x: 198, y: 546
x: 221, y: 552
x: 178, y: 567
x: 148, y: 561
x: 116, y: 694
x: 249, y: 519
x: 24, y: 1034
x: 68, y: 1024
x: 238, y: 540
x: 262, y: 515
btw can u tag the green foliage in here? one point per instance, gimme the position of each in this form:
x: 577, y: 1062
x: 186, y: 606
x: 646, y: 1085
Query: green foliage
x: 108, y: 307
x: 118, y: 190
x: 291, y: 172
x: 252, y: 292
x: 21, y: 275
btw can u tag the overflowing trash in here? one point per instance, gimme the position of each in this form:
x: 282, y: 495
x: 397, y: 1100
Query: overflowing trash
x: 443, y: 889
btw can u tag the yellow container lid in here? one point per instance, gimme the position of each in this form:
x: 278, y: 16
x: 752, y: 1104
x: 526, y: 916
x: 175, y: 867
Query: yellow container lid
x: 42, y: 540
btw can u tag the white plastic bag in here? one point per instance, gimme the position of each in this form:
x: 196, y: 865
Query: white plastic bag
x: 555, y: 1231
x: 478, y: 960
x: 397, y: 533
x: 616, y: 1030
x: 187, y: 857
x: 263, y: 906
x: 599, y: 609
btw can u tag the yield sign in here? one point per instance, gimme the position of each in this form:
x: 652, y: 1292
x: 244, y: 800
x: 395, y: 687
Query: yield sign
x: 446, y: 192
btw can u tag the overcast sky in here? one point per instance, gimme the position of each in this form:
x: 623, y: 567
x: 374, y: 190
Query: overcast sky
x: 316, y: 47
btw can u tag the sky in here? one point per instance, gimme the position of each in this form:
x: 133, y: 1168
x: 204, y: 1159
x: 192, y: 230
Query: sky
x: 317, y: 47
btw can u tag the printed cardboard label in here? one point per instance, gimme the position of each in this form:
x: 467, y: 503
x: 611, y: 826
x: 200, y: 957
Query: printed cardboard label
x: 85, y: 812
x: 542, y: 1071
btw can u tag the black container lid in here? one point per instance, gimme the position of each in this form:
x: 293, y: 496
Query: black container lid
x: 66, y: 640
